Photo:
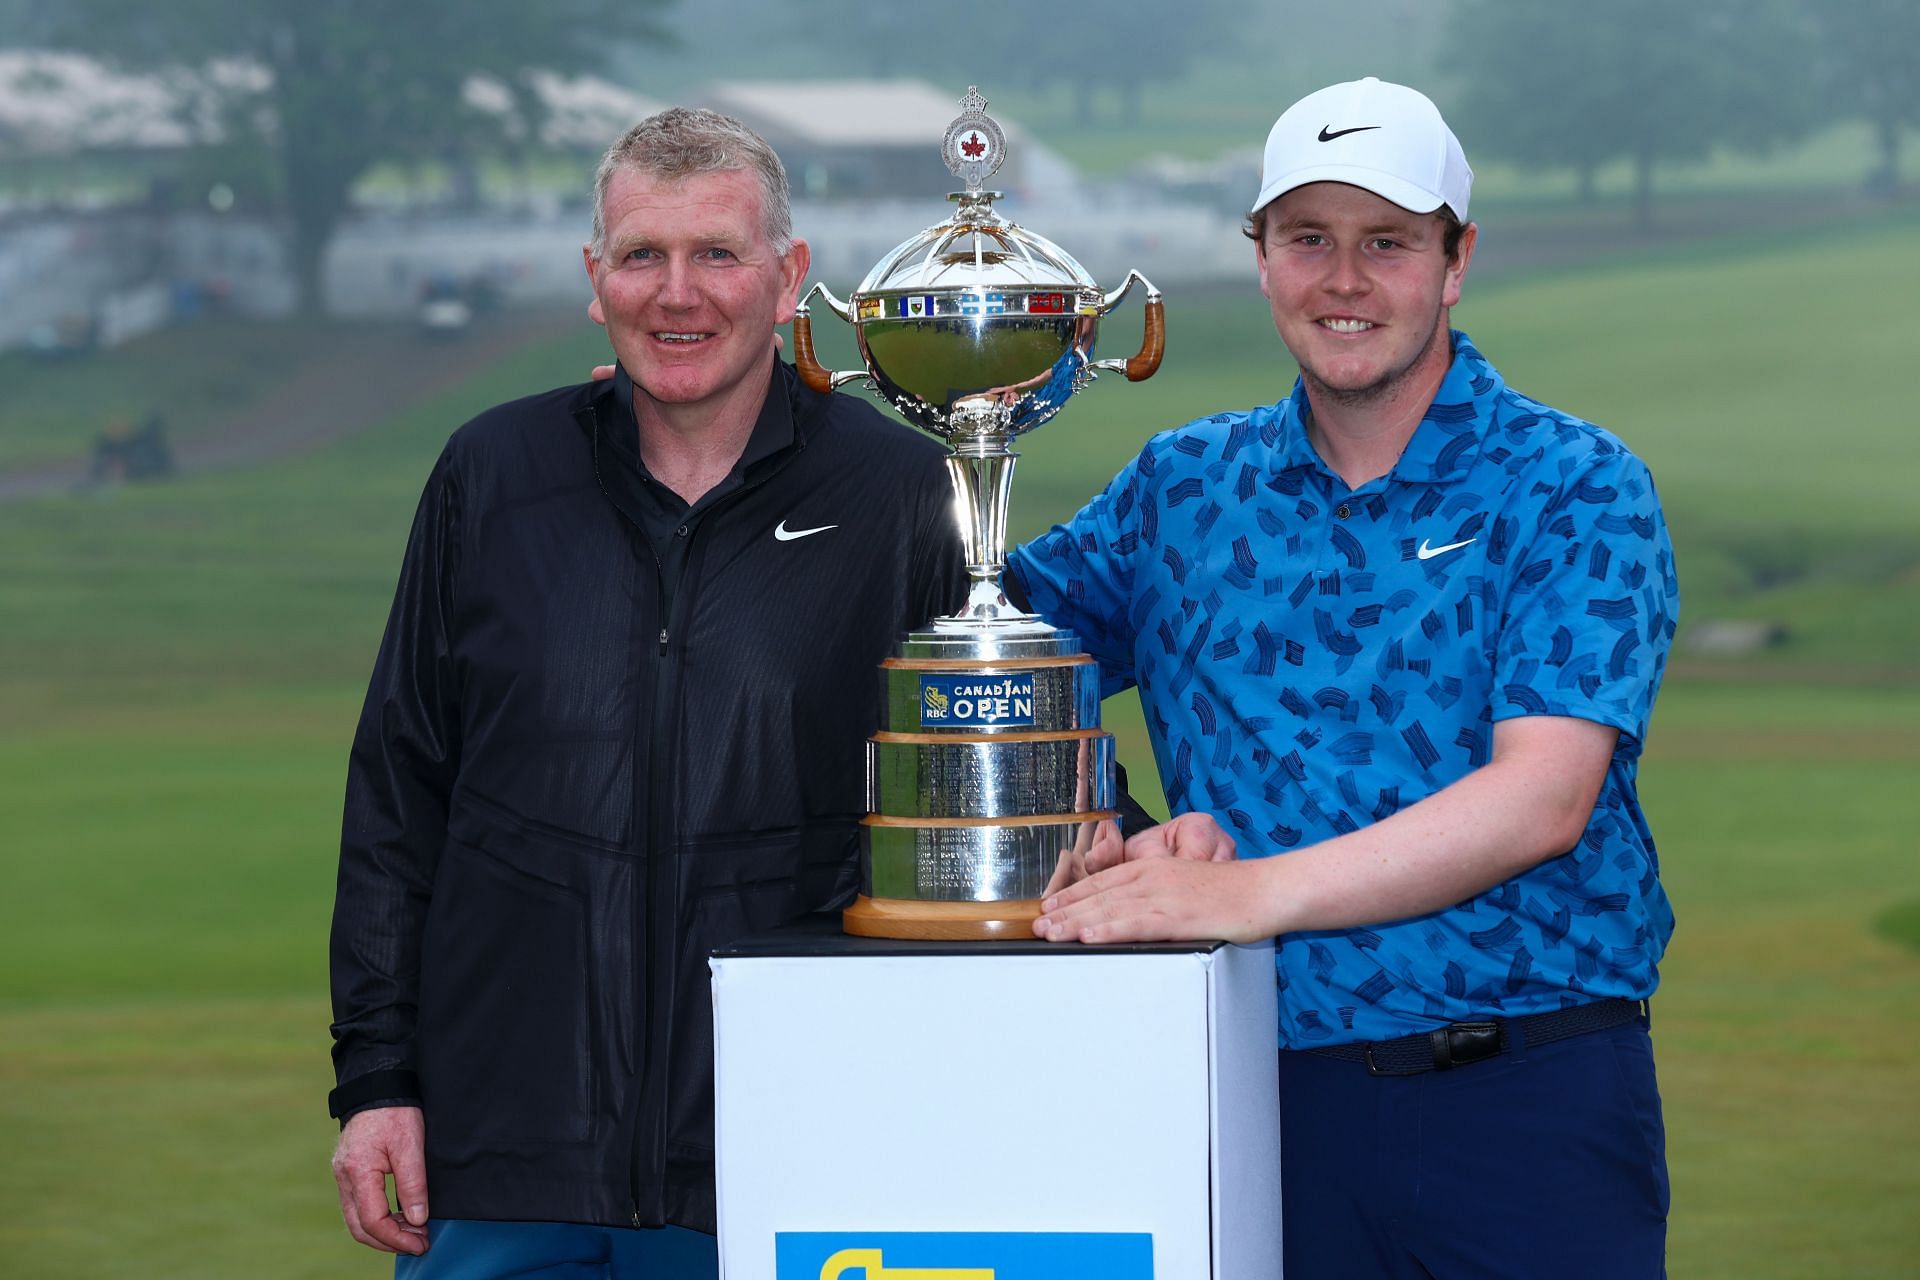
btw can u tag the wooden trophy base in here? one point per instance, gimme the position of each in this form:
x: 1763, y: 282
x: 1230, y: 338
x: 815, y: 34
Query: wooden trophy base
x: 1008, y: 921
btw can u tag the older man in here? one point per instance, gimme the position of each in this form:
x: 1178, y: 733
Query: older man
x: 1403, y: 628
x: 616, y: 721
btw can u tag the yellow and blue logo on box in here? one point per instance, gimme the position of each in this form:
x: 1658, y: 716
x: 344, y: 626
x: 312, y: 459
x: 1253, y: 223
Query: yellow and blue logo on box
x: 962, y: 1255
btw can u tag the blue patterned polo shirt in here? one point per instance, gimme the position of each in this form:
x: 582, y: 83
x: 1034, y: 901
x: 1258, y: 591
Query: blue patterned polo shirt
x: 1312, y: 658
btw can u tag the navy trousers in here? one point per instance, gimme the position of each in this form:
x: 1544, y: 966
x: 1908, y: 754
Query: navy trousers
x: 463, y: 1249
x: 1547, y: 1162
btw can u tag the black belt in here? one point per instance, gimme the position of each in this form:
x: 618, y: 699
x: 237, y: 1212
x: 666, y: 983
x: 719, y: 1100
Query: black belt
x: 1460, y: 1043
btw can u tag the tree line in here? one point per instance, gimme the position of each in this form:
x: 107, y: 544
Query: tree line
x: 1653, y: 82
x: 1546, y: 85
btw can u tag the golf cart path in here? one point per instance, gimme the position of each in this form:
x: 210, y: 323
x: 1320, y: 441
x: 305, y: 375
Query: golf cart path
x: 356, y: 382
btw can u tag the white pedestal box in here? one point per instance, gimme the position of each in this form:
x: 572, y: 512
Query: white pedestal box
x: 995, y: 1111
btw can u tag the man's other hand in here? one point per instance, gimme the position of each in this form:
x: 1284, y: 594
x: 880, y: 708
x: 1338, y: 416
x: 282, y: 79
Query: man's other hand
x: 1138, y: 893
x: 1096, y: 847
x: 1193, y: 836
x: 1108, y: 850
x: 1167, y: 899
x: 376, y: 1144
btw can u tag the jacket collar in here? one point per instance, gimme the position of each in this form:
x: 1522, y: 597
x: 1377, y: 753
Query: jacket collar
x: 772, y: 437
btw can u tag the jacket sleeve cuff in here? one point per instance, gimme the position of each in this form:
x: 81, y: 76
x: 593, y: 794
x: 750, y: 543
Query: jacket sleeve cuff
x: 375, y: 1086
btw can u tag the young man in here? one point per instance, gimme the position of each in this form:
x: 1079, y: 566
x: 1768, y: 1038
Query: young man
x: 617, y: 720
x: 1404, y: 628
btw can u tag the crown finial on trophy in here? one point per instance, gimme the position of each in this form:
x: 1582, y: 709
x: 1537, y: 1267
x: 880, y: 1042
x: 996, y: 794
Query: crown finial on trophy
x: 974, y: 146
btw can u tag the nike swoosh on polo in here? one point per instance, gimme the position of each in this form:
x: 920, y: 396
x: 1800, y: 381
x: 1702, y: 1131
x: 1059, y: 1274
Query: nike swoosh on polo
x: 1325, y: 136
x: 1427, y: 553
x: 784, y: 534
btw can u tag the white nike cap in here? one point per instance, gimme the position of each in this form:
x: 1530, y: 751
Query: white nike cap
x: 1381, y: 137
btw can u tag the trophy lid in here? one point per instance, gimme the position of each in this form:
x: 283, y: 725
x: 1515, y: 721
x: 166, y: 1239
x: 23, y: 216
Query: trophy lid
x: 975, y: 249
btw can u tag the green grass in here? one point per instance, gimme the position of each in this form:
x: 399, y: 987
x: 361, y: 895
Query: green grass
x: 198, y: 810
x: 1732, y: 380
x: 195, y: 375
x: 1788, y: 1022
x: 1900, y: 923
x: 181, y: 665
x: 254, y: 580
x: 176, y: 1138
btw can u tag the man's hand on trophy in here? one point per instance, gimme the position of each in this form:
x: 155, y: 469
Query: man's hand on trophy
x: 1108, y: 850
x: 1161, y: 899
x: 1193, y: 836
x: 1097, y: 846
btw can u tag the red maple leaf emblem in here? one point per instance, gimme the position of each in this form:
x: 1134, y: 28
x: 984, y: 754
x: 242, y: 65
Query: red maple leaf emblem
x: 973, y: 148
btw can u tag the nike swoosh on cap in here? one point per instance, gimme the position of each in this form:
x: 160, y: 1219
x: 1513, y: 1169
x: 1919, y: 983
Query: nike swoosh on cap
x: 1341, y: 133
x: 1427, y: 552
x: 784, y: 534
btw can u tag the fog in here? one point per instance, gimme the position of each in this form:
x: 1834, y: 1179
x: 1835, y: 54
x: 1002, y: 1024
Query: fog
x: 144, y: 177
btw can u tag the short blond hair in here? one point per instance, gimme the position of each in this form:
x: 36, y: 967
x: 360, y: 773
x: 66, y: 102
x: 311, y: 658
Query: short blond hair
x: 681, y: 142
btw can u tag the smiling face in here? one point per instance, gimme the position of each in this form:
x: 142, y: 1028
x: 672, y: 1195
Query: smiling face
x: 1360, y: 290
x: 690, y: 287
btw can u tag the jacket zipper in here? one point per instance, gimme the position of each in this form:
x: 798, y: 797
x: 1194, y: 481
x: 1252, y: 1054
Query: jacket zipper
x: 659, y: 837
x: 655, y: 912
x: 664, y: 694
x: 645, y: 942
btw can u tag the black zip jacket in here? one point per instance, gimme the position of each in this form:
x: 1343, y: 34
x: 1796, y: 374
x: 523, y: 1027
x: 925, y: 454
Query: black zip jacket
x: 560, y: 801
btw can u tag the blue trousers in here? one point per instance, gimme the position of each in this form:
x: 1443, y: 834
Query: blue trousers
x: 1547, y: 1162
x: 464, y: 1249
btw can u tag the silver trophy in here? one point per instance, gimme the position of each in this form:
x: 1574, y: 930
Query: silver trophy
x: 991, y: 770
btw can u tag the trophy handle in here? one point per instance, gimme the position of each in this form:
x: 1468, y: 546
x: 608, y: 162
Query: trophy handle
x: 842, y: 309
x: 1153, y: 342
x: 805, y: 362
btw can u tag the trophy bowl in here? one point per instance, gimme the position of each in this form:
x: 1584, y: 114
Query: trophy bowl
x: 990, y: 773
x: 978, y: 327
x: 977, y: 308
